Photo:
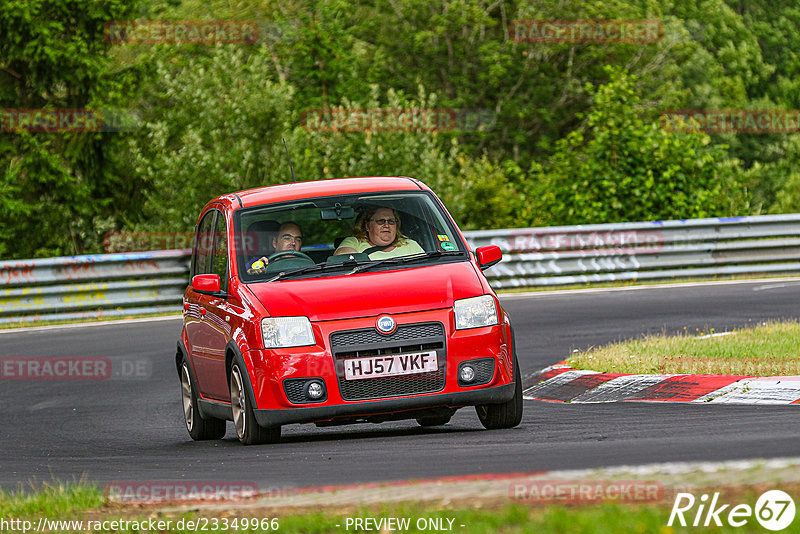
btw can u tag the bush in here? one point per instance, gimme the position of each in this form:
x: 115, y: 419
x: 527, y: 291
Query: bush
x: 620, y: 168
x: 213, y: 124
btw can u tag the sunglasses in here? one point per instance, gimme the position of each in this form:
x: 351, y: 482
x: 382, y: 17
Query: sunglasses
x: 381, y: 222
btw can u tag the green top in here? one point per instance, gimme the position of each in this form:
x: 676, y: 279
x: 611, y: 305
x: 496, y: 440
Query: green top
x: 360, y: 245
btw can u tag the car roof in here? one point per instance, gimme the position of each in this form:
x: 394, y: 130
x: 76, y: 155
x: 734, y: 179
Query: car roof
x: 318, y: 188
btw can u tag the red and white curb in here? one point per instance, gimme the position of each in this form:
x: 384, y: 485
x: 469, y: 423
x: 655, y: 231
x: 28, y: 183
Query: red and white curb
x: 560, y: 383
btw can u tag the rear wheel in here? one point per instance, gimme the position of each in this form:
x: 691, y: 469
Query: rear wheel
x: 199, y: 427
x: 507, y: 414
x: 247, y: 428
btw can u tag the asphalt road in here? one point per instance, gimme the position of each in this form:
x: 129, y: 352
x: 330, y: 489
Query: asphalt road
x: 131, y: 429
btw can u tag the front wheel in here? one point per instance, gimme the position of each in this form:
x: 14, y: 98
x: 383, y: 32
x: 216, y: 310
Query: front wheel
x: 199, y: 427
x: 247, y: 428
x: 507, y: 414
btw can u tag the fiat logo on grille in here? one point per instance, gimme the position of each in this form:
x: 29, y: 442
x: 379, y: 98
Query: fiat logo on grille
x: 385, y: 324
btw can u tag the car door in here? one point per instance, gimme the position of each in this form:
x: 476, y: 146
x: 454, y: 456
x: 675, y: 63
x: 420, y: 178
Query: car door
x: 210, y: 332
x: 194, y: 312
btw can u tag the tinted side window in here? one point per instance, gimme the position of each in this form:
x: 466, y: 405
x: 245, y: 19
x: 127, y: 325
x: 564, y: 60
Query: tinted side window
x: 203, y: 244
x: 219, y: 264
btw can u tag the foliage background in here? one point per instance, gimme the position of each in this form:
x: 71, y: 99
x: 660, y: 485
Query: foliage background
x: 575, y: 137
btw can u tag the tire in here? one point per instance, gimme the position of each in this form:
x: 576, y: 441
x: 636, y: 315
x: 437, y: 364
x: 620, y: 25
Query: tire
x: 247, y: 428
x: 434, y: 420
x: 200, y: 428
x: 507, y: 414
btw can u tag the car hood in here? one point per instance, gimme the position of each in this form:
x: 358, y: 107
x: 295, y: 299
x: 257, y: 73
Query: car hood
x: 366, y: 294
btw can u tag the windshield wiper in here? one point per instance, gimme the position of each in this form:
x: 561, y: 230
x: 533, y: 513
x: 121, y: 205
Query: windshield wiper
x: 405, y: 259
x: 432, y: 254
x: 308, y: 269
x: 362, y: 266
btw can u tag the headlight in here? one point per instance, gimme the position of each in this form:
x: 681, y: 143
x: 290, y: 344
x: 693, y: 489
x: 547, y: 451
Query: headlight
x: 286, y: 332
x: 475, y: 312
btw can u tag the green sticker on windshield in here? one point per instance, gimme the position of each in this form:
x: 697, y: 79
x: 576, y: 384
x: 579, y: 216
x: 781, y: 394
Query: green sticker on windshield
x: 446, y: 245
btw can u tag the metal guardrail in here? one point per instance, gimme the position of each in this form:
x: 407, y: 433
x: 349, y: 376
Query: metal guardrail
x: 149, y: 282
x: 656, y: 250
x: 92, y: 286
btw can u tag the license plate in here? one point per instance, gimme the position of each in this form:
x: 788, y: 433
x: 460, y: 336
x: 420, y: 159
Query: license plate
x: 390, y: 365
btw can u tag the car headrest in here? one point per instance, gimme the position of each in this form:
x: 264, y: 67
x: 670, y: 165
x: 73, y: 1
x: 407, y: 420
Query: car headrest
x: 259, y: 237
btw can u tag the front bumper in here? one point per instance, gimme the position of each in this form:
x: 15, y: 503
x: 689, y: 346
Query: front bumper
x: 270, y: 369
x: 491, y: 395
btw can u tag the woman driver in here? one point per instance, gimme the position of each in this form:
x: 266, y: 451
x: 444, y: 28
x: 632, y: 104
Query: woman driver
x: 379, y: 227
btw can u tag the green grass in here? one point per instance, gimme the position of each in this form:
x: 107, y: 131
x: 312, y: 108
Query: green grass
x: 61, y: 502
x: 771, y: 349
x: 51, y: 500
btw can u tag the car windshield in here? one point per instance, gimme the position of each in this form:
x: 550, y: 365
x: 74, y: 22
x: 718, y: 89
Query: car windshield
x: 344, y: 235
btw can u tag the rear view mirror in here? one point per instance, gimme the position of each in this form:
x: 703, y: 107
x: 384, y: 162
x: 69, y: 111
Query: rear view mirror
x: 488, y: 256
x: 337, y: 213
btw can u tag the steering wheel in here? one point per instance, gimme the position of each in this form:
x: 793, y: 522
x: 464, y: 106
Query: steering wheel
x: 288, y: 254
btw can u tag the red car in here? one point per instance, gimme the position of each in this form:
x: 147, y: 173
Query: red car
x: 340, y: 301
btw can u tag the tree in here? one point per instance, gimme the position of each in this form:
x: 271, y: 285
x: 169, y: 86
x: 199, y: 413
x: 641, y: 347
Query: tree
x: 56, y: 189
x: 214, y: 122
x: 619, y: 168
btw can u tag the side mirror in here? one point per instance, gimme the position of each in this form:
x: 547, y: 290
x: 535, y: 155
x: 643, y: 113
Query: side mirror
x: 206, y: 283
x: 488, y: 256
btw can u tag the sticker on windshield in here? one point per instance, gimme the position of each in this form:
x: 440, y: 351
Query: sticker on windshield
x: 443, y: 238
x: 447, y: 246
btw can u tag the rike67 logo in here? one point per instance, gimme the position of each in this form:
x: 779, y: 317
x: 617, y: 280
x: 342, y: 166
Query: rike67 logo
x: 774, y: 510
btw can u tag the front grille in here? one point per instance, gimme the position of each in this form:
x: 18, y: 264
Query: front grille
x: 407, y: 338
x: 410, y: 332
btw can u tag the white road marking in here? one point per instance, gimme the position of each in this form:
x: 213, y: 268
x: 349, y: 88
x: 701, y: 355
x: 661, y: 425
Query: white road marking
x: 772, y: 286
